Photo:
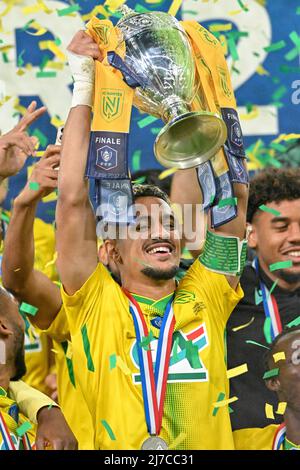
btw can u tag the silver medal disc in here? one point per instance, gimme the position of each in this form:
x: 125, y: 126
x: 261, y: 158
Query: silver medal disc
x: 154, y: 443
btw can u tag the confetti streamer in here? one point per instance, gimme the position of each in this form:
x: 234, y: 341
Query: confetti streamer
x: 112, y: 361
x: 219, y: 399
x: 230, y: 201
x: 222, y: 403
x: 34, y: 186
x: 280, y: 265
x: 276, y: 46
x: 177, y: 441
x: 164, y: 174
x: 281, y: 407
x: 69, y: 352
x: 122, y: 366
x: 273, y: 287
x: 146, y: 341
x: 237, y: 328
x: 21, y: 430
x: 136, y: 160
x: 146, y: 121
x: 295, y: 322
x: 244, y: 8
x: 175, y: 5
x: 271, y: 373
x: 29, y: 309
x: 43, y: 74
x: 41, y: 136
x: 279, y: 356
x: 40, y: 30
x: 269, y: 411
x: 53, y: 47
x: 108, y: 429
x: 248, y: 341
x: 87, y: 349
x: 69, y: 10
x: 270, y: 210
x: 242, y: 369
x: 220, y: 27
x: 56, y: 121
x: 267, y: 330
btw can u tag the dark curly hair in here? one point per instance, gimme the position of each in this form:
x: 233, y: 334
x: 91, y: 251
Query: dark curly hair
x: 273, y: 185
x: 145, y: 190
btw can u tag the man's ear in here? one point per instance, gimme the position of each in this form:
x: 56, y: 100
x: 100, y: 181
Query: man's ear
x: 252, y: 236
x: 5, y: 331
x: 113, y: 251
x: 273, y: 384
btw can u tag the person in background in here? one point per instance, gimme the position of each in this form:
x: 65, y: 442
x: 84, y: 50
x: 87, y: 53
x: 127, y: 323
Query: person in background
x: 55, y: 431
x: 15, y: 147
x: 32, y: 286
x: 282, y: 377
x: 271, y: 284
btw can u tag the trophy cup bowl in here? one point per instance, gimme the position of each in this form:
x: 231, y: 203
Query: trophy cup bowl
x: 156, y: 49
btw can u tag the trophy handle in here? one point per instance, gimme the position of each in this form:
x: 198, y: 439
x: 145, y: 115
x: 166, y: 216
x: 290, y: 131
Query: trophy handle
x: 190, y: 139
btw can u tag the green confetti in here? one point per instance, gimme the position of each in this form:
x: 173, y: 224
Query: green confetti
x: 230, y: 410
x: 67, y: 11
x: 87, y: 348
x: 271, y: 373
x: 29, y: 309
x: 42, y: 74
x: 146, y: 121
x: 108, y: 429
x: 278, y: 147
x: 4, y: 57
x: 229, y: 201
x: 220, y: 398
x: 20, y: 61
x: 298, y: 11
x: 295, y: 322
x: 242, y: 5
x: 57, y: 41
x: 279, y: 93
x: 249, y: 341
x: 27, y: 25
x: 267, y: 330
x: 21, y: 430
x: 192, y: 355
x: 5, y: 217
x: 140, y: 180
x: 273, y: 287
x: 258, y: 296
x: 34, y: 186
x: 46, y: 59
x: 146, y: 341
x: 42, y: 138
x: 155, y: 130
x: 270, y: 210
x: 232, y: 49
x: 112, y: 361
x: 50, y: 406
x: 140, y: 9
x: 136, y: 160
x: 280, y: 265
x: 276, y: 46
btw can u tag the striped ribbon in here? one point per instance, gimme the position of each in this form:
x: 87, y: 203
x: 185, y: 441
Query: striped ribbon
x: 279, y: 437
x: 270, y: 305
x: 7, y: 440
x: 153, y: 383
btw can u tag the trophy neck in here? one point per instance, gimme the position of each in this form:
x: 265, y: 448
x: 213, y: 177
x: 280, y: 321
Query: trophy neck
x: 172, y: 107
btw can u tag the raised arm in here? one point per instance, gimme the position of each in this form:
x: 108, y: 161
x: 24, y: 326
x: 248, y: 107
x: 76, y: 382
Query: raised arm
x: 18, y: 273
x: 75, y: 220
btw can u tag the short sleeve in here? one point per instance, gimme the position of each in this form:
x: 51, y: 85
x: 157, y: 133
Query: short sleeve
x: 59, y: 329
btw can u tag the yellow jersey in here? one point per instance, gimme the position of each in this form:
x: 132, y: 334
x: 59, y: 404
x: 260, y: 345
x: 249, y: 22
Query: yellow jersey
x: 70, y: 397
x: 102, y: 328
x: 255, y: 438
x: 13, y: 419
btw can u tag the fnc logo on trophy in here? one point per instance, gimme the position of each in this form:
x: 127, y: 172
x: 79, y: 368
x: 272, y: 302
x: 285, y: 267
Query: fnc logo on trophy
x: 107, y: 158
x: 111, y: 104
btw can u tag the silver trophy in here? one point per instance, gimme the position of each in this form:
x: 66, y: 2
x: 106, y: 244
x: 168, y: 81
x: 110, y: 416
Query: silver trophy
x: 159, y: 55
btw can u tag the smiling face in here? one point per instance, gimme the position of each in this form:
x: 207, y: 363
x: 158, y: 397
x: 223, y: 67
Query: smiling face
x: 277, y: 238
x: 287, y: 384
x: 151, y: 248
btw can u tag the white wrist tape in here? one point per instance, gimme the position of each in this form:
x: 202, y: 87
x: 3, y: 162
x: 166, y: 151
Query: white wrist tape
x: 83, y: 72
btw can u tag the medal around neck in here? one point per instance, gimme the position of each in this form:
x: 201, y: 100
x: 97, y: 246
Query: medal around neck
x: 154, y: 443
x: 158, y: 55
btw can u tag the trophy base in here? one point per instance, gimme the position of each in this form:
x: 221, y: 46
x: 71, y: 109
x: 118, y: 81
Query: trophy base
x: 190, y: 139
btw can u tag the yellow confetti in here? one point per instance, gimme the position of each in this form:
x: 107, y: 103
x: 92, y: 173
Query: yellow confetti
x: 285, y: 137
x: 164, y: 174
x: 173, y: 10
x: 95, y: 11
x: 54, y: 65
x: 56, y: 122
x: 224, y: 43
x: 69, y: 352
x: 16, y: 270
x: 220, y: 27
x: 52, y: 261
x: 53, y: 48
x: 50, y: 198
x: 113, y: 5
x: 121, y: 364
x: 281, y: 407
x: 252, y: 115
x: 40, y: 30
x: 31, y: 9
x: 240, y: 327
x: 237, y: 371
x: 235, y: 12
x: 219, y: 404
x: 6, y: 48
x: 262, y: 71
x: 54, y: 351
x: 177, y: 441
x: 44, y: 7
x: 269, y: 411
x: 39, y: 154
x: 279, y: 356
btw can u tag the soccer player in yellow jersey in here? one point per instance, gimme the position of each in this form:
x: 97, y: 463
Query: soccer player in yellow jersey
x: 31, y: 285
x: 12, y: 367
x: 115, y: 329
x: 282, y: 377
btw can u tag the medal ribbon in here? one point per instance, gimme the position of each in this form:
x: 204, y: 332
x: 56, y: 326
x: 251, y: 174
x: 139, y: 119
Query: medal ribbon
x: 8, y: 442
x: 270, y: 305
x: 153, y: 382
x: 279, y: 437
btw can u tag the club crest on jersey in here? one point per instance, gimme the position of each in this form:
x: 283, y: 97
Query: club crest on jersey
x: 185, y: 362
